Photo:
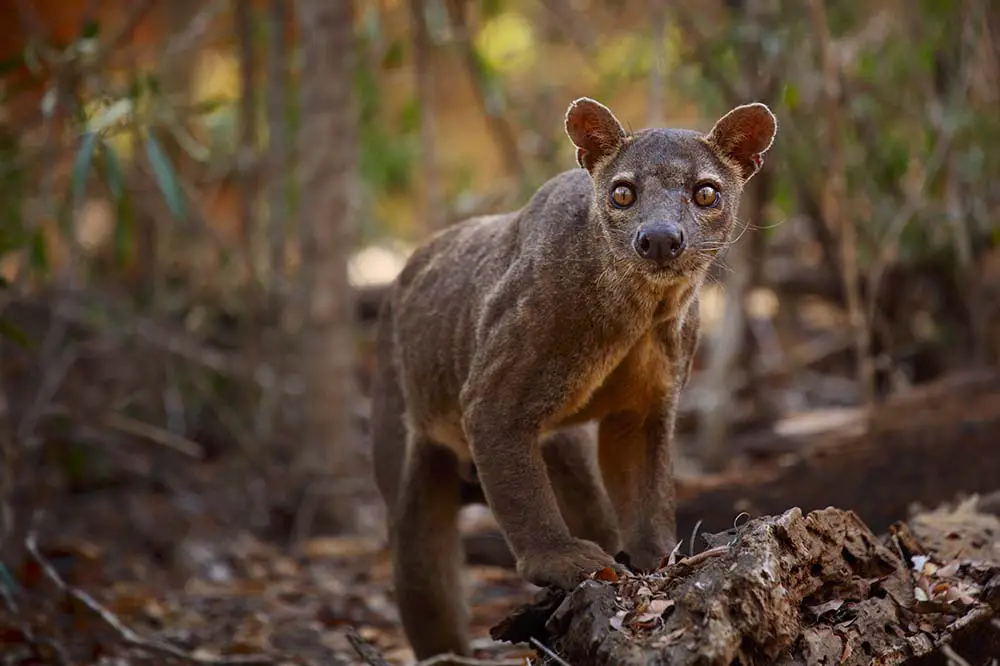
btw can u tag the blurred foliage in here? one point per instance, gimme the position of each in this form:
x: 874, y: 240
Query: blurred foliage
x: 904, y: 77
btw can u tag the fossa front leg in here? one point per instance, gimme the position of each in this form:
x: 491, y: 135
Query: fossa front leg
x: 636, y: 454
x: 636, y: 461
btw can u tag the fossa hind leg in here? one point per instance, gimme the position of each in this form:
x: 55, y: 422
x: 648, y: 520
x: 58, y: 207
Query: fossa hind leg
x: 423, y: 497
x: 427, y: 553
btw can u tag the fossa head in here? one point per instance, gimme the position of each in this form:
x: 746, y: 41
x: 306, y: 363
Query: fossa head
x: 667, y: 199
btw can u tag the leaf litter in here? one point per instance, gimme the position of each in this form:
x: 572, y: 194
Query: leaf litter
x: 76, y: 601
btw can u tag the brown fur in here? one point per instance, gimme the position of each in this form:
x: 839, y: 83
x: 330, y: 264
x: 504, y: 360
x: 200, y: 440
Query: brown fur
x: 507, y: 336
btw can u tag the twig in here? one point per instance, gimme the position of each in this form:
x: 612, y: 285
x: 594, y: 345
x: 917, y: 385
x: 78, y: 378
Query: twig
x: 52, y: 372
x: 834, y: 196
x: 277, y: 137
x: 702, y: 53
x: 456, y: 660
x: 936, y: 162
x: 248, y: 172
x: 703, y: 555
x: 7, y: 596
x: 139, y: 11
x: 78, y: 307
x: 126, y: 633
x: 154, y: 434
x: 541, y: 646
x: 430, y: 197
x: 196, y: 28
x: 694, y: 534
x: 574, y: 24
x: 365, y: 650
x: 954, y: 659
x: 499, y: 125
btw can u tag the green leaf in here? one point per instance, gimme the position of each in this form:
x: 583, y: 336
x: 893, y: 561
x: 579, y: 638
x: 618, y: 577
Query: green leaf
x: 9, y: 331
x: 492, y: 8
x: 166, y: 177
x: 393, y: 56
x: 11, y: 65
x: 81, y: 166
x: 113, y: 172
x: 91, y: 30
x: 790, y: 96
x: 38, y: 255
x: 153, y: 84
x: 124, y: 233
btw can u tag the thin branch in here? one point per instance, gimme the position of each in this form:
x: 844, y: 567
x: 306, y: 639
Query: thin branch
x: 138, y: 13
x: 154, y: 434
x: 456, y: 660
x: 368, y: 653
x: 126, y: 633
x: 195, y: 30
x: 549, y: 653
x: 277, y: 136
x: 62, y: 656
x: 704, y: 555
x: 954, y: 659
x: 703, y: 54
x: 499, y: 126
x: 246, y: 152
x: 935, y: 164
x: 574, y: 24
x: 658, y: 30
x: 834, y: 197
x: 430, y: 199
x: 80, y: 308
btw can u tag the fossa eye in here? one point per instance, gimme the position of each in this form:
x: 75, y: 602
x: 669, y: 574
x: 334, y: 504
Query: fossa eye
x: 707, y: 196
x: 623, y: 195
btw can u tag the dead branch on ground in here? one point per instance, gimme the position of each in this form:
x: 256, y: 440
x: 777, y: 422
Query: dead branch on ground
x: 126, y: 633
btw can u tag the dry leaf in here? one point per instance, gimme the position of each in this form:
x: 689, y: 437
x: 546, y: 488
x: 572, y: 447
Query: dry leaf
x: 339, y: 547
x: 949, y: 570
x: 660, y: 606
x: 606, y: 574
x: 821, y: 609
x: 846, y: 654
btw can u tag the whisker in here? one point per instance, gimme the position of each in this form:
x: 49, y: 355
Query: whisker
x: 746, y: 227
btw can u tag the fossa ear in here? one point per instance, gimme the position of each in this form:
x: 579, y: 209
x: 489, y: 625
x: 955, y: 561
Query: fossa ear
x: 743, y: 135
x: 594, y: 131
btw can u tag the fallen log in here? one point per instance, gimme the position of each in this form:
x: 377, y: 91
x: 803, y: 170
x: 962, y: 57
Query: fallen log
x: 795, y: 589
x: 925, y: 447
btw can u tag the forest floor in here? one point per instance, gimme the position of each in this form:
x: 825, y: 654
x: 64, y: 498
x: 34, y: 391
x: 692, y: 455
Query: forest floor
x: 154, y: 561
x: 126, y: 576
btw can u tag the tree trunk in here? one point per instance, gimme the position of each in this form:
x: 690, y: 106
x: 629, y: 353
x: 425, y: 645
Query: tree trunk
x: 834, y: 196
x: 246, y: 162
x: 329, y: 184
x: 277, y: 149
x: 431, y: 203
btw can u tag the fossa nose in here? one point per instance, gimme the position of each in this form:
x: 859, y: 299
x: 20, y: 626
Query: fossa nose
x: 660, y: 243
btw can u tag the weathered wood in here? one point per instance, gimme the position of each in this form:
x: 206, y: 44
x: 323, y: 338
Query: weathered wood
x: 788, y: 590
x: 925, y: 447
